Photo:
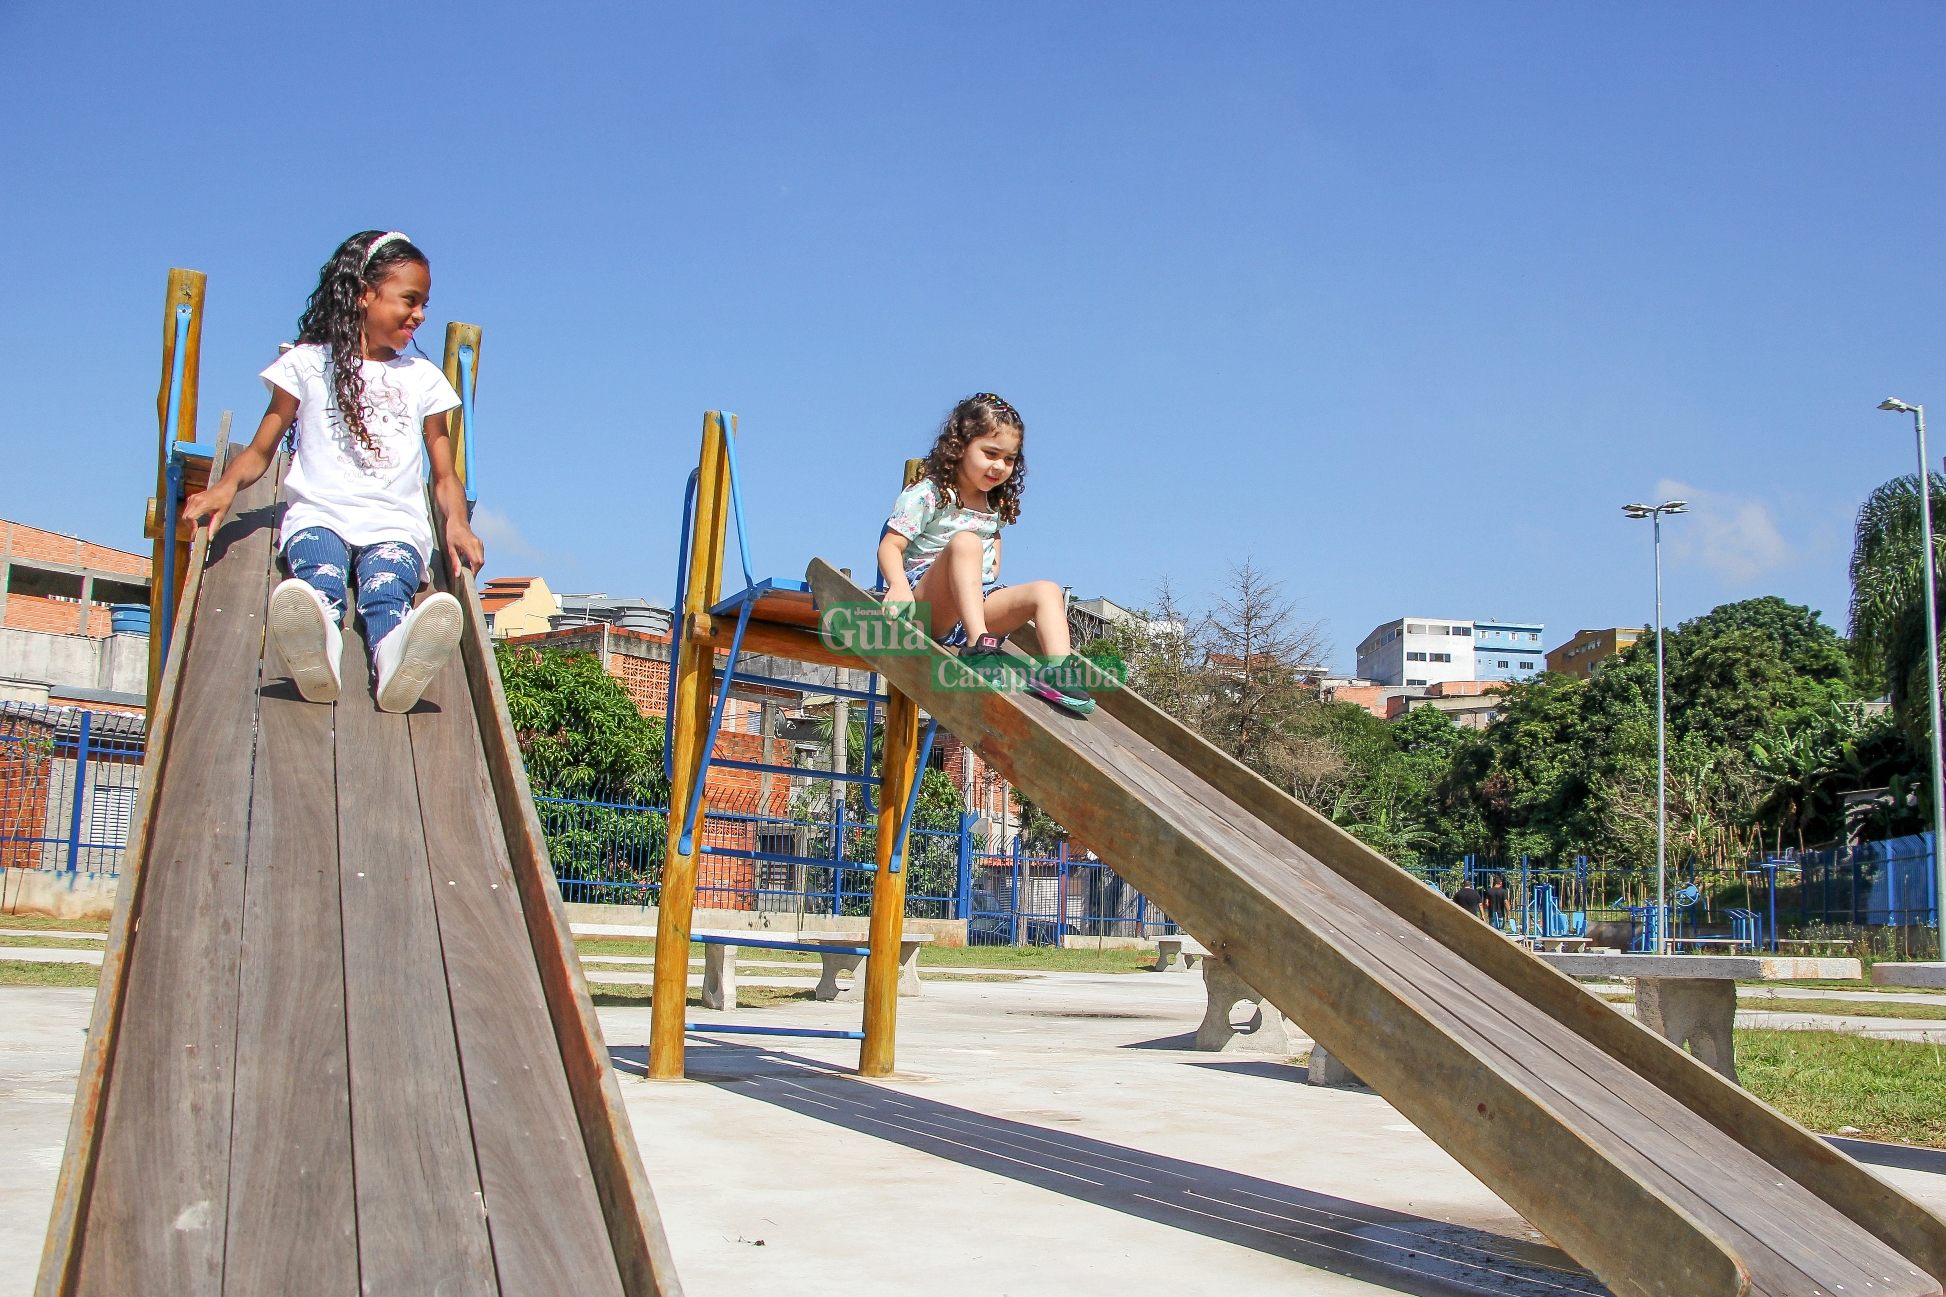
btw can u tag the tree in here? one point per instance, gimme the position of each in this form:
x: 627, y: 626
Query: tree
x: 578, y: 729
x: 1888, y: 610
x: 1255, y: 654
x: 584, y: 741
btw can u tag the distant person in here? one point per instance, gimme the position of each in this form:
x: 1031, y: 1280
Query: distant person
x: 1468, y: 898
x: 371, y: 421
x: 1497, y: 900
x: 940, y: 550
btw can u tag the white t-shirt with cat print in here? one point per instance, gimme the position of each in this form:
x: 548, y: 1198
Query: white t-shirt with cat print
x: 365, y: 495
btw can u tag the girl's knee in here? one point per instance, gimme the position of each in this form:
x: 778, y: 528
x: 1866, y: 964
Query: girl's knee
x: 963, y: 542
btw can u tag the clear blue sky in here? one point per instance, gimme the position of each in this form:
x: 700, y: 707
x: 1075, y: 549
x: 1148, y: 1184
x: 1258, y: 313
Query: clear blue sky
x: 1400, y: 301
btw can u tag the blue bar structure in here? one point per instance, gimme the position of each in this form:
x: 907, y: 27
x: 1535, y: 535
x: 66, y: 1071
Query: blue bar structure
x: 469, y: 381
x: 775, y: 617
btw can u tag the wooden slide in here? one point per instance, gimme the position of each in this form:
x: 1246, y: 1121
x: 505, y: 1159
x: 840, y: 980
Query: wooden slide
x: 1649, y: 1168
x: 341, y: 1043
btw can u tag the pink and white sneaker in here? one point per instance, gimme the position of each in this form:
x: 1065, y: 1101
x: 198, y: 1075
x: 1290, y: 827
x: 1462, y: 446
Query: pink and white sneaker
x: 406, y: 660
x: 309, y: 638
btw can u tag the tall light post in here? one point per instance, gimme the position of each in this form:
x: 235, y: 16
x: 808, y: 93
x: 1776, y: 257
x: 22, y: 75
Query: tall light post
x: 1655, y: 512
x: 1918, y: 413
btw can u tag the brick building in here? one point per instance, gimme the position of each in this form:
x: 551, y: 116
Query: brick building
x: 772, y: 725
x: 58, y: 642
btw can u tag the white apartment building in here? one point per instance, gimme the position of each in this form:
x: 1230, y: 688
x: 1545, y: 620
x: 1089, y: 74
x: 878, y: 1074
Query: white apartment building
x: 1415, y: 651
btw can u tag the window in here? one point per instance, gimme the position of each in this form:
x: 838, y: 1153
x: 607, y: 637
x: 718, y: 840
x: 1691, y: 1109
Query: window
x: 1442, y: 657
x: 1415, y: 628
x: 1526, y: 666
x: 1415, y: 657
x: 110, y: 808
x: 1415, y: 682
x: 1502, y: 664
x: 1464, y: 632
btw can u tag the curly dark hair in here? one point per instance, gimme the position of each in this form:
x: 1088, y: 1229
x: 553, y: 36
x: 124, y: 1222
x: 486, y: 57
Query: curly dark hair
x: 975, y: 417
x: 333, y: 317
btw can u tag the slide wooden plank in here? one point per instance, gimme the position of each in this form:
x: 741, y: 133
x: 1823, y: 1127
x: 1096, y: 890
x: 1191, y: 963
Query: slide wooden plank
x: 1510, y: 1100
x: 292, y: 1224
x: 156, y: 1214
x: 544, y: 1215
x: 421, y: 1222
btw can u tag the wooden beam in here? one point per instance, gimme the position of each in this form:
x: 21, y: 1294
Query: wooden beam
x: 628, y: 1204
x: 900, y: 772
x: 185, y: 289
x: 460, y: 335
x: 695, y: 680
x: 769, y: 638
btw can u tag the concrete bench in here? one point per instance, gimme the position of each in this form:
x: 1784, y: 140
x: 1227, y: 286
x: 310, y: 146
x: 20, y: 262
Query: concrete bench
x: 1263, y: 1033
x: 1691, y: 1000
x: 843, y: 961
x: 1178, y: 945
x: 1925, y: 976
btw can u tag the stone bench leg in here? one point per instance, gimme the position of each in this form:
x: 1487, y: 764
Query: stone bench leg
x: 1326, y: 1070
x: 1263, y: 1034
x: 836, y: 962
x: 1694, y: 1012
x: 909, y: 969
x: 1165, y: 953
x: 719, y: 977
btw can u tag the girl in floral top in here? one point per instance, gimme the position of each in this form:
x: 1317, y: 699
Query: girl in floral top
x: 940, y: 550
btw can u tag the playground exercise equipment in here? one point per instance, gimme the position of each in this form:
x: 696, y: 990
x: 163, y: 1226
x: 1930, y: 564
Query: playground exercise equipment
x: 776, y: 618
x: 1648, y: 1167
x: 341, y: 1041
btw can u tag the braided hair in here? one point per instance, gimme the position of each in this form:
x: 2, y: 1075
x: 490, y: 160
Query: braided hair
x: 334, y: 318
x: 978, y: 416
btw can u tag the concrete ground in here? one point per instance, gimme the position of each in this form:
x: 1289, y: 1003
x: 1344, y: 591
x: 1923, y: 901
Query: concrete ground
x: 1045, y: 1136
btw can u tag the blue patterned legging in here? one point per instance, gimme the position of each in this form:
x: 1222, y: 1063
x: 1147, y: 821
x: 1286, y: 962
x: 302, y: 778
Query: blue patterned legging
x: 387, y: 574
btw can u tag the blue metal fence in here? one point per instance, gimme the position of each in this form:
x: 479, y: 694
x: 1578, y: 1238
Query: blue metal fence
x: 611, y: 852
x: 69, y: 780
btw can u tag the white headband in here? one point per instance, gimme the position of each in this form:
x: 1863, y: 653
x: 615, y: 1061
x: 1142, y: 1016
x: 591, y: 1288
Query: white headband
x: 390, y: 236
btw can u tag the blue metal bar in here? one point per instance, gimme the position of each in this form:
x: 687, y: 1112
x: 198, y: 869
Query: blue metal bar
x: 912, y: 797
x: 724, y: 419
x: 800, y: 772
x: 871, y: 712
x: 757, y: 590
x: 468, y: 383
x: 676, y: 633
x: 687, y: 842
x: 778, y: 857
x: 800, y: 686
x: 731, y: 1029
x: 172, y: 476
x: 81, y: 786
x: 762, y: 943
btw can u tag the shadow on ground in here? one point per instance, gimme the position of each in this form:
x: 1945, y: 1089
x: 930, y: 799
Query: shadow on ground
x: 1406, y: 1253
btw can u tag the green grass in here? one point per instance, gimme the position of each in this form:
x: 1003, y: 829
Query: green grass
x: 18, y: 972
x: 1847, y: 984
x: 1023, y: 959
x: 48, y: 943
x: 1893, y: 1090
x: 624, y: 996
x: 42, y: 921
x: 1845, y: 1008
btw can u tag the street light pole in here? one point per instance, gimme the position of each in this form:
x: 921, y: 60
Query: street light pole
x: 1918, y: 413
x: 1654, y: 512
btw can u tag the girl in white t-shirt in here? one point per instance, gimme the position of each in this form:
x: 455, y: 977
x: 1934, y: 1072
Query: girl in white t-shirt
x: 940, y: 553
x: 370, y: 421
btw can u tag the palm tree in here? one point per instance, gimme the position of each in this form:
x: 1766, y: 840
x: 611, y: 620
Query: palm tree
x: 1888, y: 606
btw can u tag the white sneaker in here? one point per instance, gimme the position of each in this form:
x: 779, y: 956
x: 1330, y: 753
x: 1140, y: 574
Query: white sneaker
x: 310, y: 640
x: 406, y: 660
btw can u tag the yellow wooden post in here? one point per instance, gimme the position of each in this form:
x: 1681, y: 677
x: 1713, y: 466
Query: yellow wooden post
x: 695, y: 681
x: 185, y: 289
x: 460, y: 335
x: 897, y: 773
x: 899, y: 770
